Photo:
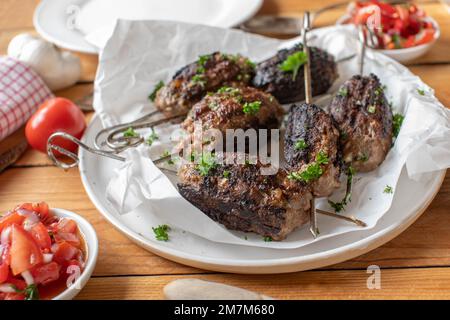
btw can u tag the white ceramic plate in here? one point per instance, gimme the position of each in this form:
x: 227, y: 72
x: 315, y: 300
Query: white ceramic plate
x: 54, y: 19
x: 410, y: 200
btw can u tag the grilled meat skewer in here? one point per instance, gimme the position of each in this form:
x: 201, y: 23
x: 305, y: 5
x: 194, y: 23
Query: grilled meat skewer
x: 289, y: 86
x: 241, y: 198
x: 364, y: 118
x: 235, y: 108
x: 191, y: 83
x: 311, y: 148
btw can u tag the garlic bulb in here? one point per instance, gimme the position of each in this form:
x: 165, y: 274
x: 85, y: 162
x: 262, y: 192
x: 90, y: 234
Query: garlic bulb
x: 58, y: 69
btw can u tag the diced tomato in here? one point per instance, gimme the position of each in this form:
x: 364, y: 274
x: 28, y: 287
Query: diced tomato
x: 14, y: 296
x: 66, y: 226
x: 19, y: 284
x: 40, y: 234
x: 65, y: 252
x: 25, y: 206
x: 44, y: 212
x: 68, y: 237
x: 425, y: 37
x: 46, y: 273
x: 25, y: 252
x: 5, y: 260
x: 10, y: 219
x: 410, y: 42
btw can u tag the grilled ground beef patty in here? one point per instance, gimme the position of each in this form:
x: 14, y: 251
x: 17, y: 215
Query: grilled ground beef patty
x: 311, y: 148
x: 241, y: 198
x: 364, y: 119
x: 270, y: 78
x: 235, y: 108
x: 191, y: 83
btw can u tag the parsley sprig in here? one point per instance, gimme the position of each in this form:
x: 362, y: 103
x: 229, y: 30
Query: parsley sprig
x: 293, y: 63
x: 207, y: 162
x: 151, y: 138
x: 130, y: 133
x: 158, y: 86
x: 300, y: 145
x: 339, y: 206
x: 251, y: 107
x: 397, y: 122
x: 343, y: 92
x: 161, y: 232
x: 313, y: 171
x: 388, y: 189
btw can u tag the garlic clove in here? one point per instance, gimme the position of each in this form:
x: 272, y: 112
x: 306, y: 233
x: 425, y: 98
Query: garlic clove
x: 58, y: 69
x: 17, y: 43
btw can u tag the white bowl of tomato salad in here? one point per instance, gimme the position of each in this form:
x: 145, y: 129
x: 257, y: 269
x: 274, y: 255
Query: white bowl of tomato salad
x: 45, y: 253
x: 404, y: 31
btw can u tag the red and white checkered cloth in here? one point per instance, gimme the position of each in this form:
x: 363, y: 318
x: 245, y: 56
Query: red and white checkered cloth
x: 21, y: 92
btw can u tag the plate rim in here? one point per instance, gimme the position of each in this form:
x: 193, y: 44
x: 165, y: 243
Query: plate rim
x: 86, y: 48
x: 284, y: 265
x: 254, y: 6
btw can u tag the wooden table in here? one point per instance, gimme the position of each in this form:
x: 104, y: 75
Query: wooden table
x: 414, y: 265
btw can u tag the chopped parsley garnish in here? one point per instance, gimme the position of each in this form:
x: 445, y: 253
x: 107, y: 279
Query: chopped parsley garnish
x: 362, y: 157
x: 31, y: 292
x: 371, y: 109
x: 396, y: 39
x: 161, y: 232
x: 293, y: 63
x: 226, y: 173
x: 343, y: 92
x: 379, y: 91
x: 203, y: 59
x: 151, y: 138
x: 388, y: 189
x: 250, y: 63
x: 229, y: 90
x: 322, y: 158
x: 207, y: 162
x: 421, y: 92
x: 251, y: 107
x: 313, y: 171
x: 300, y: 145
x: 231, y: 57
x: 268, y: 239
x: 167, y: 154
x: 339, y: 206
x: 130, y: 133
x: 213, y: 105
x: 199, y: 79
x: 397, y: 122
x: 158, y: 86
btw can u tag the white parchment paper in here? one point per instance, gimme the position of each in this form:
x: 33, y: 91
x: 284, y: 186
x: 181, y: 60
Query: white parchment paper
x: 141, y: 53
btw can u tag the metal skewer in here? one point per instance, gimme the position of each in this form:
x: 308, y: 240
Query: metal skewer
x: 308, y: 99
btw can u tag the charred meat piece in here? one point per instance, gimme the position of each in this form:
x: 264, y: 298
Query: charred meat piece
x: 311, y: 148
x: 235, y: 108
x: 241, y: 198
x: 190, y: 84
x: 289, y: 86
x: 364, y: 119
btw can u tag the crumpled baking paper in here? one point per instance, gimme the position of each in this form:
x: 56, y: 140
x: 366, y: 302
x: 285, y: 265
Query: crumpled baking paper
x: 141, y: 53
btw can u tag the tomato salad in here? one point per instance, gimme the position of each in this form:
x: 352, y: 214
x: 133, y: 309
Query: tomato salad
x: 401, y: 25
x: 39, y: 253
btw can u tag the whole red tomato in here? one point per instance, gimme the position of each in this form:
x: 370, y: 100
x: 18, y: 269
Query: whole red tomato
x: 56, y: 114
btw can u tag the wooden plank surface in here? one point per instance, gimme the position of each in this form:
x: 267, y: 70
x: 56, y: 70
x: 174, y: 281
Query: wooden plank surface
x: 343, y: 284
x: 414, y: 265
